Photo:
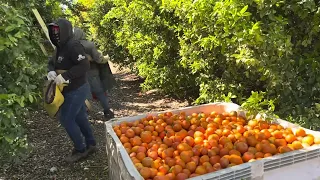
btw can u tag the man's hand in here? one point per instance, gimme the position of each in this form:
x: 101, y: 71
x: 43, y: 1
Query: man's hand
x: 60, y: 80
x: 51, y: 75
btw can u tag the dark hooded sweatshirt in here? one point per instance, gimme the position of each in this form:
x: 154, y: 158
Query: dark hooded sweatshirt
x: 98, y: 67
x: 69, y: 56
x: 90, y: 48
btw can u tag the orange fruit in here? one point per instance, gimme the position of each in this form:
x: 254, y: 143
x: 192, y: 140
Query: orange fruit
x: 191, y: 166
x: 145, y: 172
x: 317, y: 140
x: 308, y: 140
x: 214, y: 159
x: 284, y: 149
x: 280, y: 142
x: 146, y: 136
x: 297, y: 145
x: 235, y: 152
x: 183, y: 147
x: 290, y: 138
x: 186, y: 156
x: 204, y: 158
x: 200, y: 170
x: 259, y: 155
x: 241, y: 147
x: 234, y: 159
x: 301, y: 132
x: 147, y: 162
x: 181, y: 176
x: 224, y: 162
x: 181, y: 163
x: 177, y: 127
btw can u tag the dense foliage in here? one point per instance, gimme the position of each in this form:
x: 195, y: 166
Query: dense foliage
x: 22, y: 68
x: 215, y: 50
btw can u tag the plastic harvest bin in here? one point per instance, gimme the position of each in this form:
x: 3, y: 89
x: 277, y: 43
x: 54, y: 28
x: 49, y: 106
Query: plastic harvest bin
x: 300, y: 164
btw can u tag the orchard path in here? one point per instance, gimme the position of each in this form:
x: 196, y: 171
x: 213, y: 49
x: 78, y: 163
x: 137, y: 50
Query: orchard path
x: 50, y: 142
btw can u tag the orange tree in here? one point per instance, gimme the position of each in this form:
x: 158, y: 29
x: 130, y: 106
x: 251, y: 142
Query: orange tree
x: 23, y: 66
x: 213, y: 50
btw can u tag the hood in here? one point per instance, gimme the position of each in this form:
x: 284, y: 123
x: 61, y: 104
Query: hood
x: 65, y: 27
x: 79, y: 34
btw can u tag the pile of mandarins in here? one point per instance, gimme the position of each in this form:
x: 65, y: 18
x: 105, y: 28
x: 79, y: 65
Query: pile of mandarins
x: 176, y: 146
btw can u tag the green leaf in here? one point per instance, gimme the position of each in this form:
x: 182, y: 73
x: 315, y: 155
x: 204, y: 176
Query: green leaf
x: 30, y: 98
x: 10, y: 28
x: 244, y: 9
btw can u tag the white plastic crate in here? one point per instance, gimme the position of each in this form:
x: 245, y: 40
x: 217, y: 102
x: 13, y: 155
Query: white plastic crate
x: 299, y: 164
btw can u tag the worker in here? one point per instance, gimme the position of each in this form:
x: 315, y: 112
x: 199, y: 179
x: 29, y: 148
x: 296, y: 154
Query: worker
x: 69, y: 65
x: 99, y: 73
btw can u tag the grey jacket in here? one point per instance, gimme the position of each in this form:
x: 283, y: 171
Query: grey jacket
x: 99, y: 65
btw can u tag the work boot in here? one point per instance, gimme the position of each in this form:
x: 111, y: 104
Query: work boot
x: 91, y: 149
x: 76, y: 156
x: 108, y: 114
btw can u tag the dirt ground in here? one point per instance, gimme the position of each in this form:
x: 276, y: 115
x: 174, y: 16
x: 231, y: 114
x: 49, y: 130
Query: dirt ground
x: 51, y: 144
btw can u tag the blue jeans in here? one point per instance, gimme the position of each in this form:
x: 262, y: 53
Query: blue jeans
x: 74, y: 118
x: 97, y: 89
